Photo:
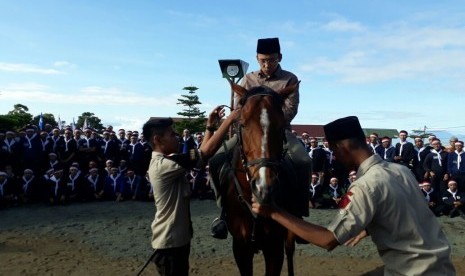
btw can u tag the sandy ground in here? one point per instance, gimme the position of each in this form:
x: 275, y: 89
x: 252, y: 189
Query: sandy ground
x: 108, y: 238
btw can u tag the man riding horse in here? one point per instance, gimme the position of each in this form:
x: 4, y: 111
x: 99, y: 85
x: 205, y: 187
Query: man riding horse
x: 272, y: 76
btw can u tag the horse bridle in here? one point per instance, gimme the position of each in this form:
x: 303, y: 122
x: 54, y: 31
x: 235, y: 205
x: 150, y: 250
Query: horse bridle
x: 259, y: 162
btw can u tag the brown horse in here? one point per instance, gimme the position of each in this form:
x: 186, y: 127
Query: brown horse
x: 257, y: 168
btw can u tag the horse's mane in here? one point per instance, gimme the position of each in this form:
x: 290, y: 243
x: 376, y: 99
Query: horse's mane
x: 263, y: 91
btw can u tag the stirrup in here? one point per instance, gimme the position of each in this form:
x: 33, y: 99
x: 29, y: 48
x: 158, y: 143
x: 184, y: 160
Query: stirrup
x: 219, y: 229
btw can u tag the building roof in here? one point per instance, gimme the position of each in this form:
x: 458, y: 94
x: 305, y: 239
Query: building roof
x: 312, y: 130
x: 317, y: 131
x: 389, y: 132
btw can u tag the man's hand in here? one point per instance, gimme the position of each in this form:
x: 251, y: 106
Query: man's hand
x: 215, y: 116
x: 263, y: 210
x: 232, y: 117
x: 310, y: 205
x: 426, y: 176
x: 355, y: 240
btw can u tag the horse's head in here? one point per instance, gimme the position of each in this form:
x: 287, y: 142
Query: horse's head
x: 261, y: 136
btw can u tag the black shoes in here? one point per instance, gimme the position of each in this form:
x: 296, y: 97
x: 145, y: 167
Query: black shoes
x: 219, y: 229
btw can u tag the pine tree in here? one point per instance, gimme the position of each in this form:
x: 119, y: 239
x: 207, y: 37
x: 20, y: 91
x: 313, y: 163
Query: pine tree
x: 195, y: 121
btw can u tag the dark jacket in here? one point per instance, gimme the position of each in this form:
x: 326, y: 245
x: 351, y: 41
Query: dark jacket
x: 319, y: 160
x: 432, y: 163
x: 407, y: 155
x: 387, y: 154
x: 452, y: 164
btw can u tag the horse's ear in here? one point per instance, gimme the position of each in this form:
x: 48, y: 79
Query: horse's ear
x: 241, y: 91
x: 289, y: 89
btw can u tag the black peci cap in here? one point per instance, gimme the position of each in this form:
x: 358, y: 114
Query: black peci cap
x: 268, y: 46
x: 344, y: 128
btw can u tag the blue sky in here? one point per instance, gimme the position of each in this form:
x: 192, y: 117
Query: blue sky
x: 394, y: 64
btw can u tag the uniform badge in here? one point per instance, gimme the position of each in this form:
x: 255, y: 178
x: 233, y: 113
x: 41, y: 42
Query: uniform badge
x: 345, y: 200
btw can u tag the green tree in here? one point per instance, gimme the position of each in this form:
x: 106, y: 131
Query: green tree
x: 195, y: 120
x: 19, y: 109
x: 92, y: 121
x: 8, y: 122
x: 18, y: 117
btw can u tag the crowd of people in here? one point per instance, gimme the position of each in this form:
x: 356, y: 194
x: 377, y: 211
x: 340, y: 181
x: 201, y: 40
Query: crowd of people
x: 438, y: 169
x: 66, y: 165
x: 61, y: 166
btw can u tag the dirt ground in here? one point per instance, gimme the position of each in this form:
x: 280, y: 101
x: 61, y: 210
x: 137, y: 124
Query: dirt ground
x: 108, y: 238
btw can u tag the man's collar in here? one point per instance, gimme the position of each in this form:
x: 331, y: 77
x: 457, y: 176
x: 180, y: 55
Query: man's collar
x: 368, y: 163
x: 276, y: 73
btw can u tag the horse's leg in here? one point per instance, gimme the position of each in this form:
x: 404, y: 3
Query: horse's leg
x: 243, y: 254
x: 289, y: 245
x: 273, y: 251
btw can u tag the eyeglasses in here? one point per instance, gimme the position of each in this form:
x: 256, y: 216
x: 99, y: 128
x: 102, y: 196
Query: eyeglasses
x: 268, y: 60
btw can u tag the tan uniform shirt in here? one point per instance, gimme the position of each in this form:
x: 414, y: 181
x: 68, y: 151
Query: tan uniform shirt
x: 279, y: 80
x: 172, y: 224
x: 385, y: 200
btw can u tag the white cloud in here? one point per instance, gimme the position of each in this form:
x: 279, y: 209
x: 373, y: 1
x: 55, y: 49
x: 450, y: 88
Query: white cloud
x: 13, y: 87
x: 127, y: 122
x: 88, y: 96
x: 64, y: 64
x: 358, y: 67
x: 114, y: 106
x: 343, y: 25
x: 27, y: 68
x: 394, y: 52
x: 412, y: 39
